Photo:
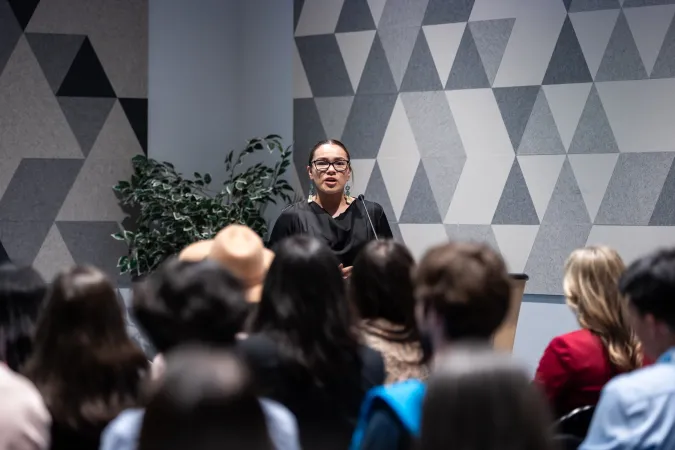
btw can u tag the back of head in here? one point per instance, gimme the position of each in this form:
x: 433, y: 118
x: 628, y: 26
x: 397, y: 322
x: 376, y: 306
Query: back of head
x: 205, y: 401
x: 304, y: 307
x: 467, y: 286
x: 479, y: 399
x: 592, y: 291
x: 81, y: 335
x: 381, y: 284
x: 22, y: 291
x: 185, y: 301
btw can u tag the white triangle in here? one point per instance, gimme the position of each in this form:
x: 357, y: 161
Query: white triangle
x: 355, y: 48
x: 567, y: 102
x: 515, y: 244
x: 593, y: 29
x: 53, y: 256
x: 361, y: 171
x: 541, y: 174
x: 443, y: 43
x: 319, y: 17
x: 333, y: 112
x: 376, y: 8
x: 301, y: 88
x: 398, y: 175
x: 649, y: 26
x: 593, y: 173
x: 399, y: 140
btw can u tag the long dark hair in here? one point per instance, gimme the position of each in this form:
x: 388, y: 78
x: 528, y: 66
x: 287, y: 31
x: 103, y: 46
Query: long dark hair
x: 22, y: 291
x: 204, y: 401
x: 381, y: 286
x: 303, y: 306
x: 84, y: 364
x: 477, y: 398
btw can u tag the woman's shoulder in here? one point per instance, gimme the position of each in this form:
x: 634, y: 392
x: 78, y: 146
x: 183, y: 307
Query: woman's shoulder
x: 295, y: 208
x: 574, y: 342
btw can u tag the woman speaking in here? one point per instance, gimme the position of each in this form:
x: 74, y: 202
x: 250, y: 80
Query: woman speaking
x: 343, y: 222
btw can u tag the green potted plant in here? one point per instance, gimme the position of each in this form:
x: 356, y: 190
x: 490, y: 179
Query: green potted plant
x: 174, y: 210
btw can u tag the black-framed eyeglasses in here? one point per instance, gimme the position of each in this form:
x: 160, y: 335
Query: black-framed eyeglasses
x: 322, y: 165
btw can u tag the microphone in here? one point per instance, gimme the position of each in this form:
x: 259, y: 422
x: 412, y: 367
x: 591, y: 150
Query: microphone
x: 361, y: 197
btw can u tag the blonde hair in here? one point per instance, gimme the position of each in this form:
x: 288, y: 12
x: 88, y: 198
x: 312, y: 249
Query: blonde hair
x: 591, y: 291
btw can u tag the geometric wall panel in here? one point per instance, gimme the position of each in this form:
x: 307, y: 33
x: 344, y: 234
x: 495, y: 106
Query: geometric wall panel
x: 567, y: 64
x: 515, y: 206
x: 443, y: 43
x: 10, y: 31
x: 567, y: 102
x: 354, y: 48
x: 491, y: 37
x: 541, y: 135
x: 398, y: 44
x: 333, y: 112
x: 593, y: 133
x: 541, y: 174
x: 515, y: 242
x: 318, y: 17
x: 376, y: 77
x: 593, y: 173
x: 567, y: 204
x: 664, y: 211
x: 593, y: 29
x: 86, y: 116
x: 402, y: 14
x: 664, y: 67
x: 473, y: 233
x: 86, y: 77
x: 649, y: 27
x: 421, y: 74
x: 415, y: 211
x: 55, y: 53
x: 468, y: 71
x: 322, y: 51
x: 53, y: 256
x: 622, y: 59
x: 443, y: 11
x: 355, y: 16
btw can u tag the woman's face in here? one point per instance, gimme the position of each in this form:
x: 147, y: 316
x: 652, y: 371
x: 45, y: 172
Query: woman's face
x: 329, y: 169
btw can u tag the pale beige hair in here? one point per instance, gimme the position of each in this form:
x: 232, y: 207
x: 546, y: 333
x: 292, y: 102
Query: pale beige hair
x: 591, y: 291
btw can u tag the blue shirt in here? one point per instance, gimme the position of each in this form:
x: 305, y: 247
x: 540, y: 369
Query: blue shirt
x: 636, y: 410
x: 123, y: 432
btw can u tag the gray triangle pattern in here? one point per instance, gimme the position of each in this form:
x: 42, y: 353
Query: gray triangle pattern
x: 664, y: 211
x: 447, y: 11
x: 334, y: 112
x: 515, y: 206
x: 636, y: 3
x: 593, y: 133
x: 541, y: 136
x: 355, y: 16
x: 86, y: 116
x: 491, y: 37
x: 55, y: 53
x: 10, y: 31
x: 421, y: 74
x: 376, y: 191
x: 467, y: 71
x: 398, y: 44
x: 515, y: 105
x: 593, y: 5
x: 416, y: 211
x: 622, y: 59
x: 567, y: 64
x: 377, y: 77
x: 567, y: 204
x: 665, y: 62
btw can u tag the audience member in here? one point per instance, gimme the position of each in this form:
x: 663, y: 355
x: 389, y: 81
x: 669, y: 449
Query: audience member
x: 479, y: 399
x: 83, y: 363
x: 197, y: 251
x: 185, y: 303
x: 462, y: 293
x: 382, y: 292
x: 24, y: 420
x: 22, y: 291
x: 303, y: 349
x: 205, y: 401
x: 637, y: 409
x: 576, y: 365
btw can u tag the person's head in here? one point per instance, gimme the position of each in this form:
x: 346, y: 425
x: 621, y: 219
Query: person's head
x: 649, y: 285
x: 304, y: 306
x: 381, y: 284
x: 591, y: 287
x: 197, y: 251
x: 22, y: 291
x: 83, y: 362
x: 186, y: 301
x: 205, y: 401
x: 477, y: 398
x: 329, y: 166
x: 241, y: 251
x: 462, y: 293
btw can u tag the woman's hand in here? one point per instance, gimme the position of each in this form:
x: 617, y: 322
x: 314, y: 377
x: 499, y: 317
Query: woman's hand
x: 346, y: 271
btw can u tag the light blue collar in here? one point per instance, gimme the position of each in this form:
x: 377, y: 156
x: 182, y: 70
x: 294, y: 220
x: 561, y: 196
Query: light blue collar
x: 668, y: 356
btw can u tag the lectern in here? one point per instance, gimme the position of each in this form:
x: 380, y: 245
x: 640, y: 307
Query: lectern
x: 506, y: 334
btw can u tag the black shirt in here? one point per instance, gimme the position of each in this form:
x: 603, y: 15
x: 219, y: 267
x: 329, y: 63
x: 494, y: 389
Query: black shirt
x: 345, y: 234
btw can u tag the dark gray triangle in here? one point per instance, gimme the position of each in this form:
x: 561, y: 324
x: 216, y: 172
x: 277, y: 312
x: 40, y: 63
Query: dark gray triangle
x: 55, y: 53
x: 447, y: 11
x: 366, y: 124
x: 376, y: 191
x: 355, y: 16
x: 22, y: 240
x: 593, y: 133
x: 467, y: 70
x: 515, y: 206
x: 567, y: 64
x: 593, y: 5
x: 622, y: 59
x: 86, y: 116
x: 377, y: 77
x: 421, y: 74
x: 635, y: 3
x: 541, y: 136
x: 664, y: 211
x: 567, y: 205
x: 324, y: 65
x: 10, y: 31
x: 567, y: 4
x: 515, y: 104
x: 297, y: 10
x: 665, y: 62
x: 420, y: 206
x: 307, y: 131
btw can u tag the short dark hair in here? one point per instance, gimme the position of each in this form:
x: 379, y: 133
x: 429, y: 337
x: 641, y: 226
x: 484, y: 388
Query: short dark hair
x: 22, y: 293
x: 468, y: 285
x: 381, y: 284
x: 327, y: 142
x: 649, y: 285
x: 186, y: 302
x: 205, y: 400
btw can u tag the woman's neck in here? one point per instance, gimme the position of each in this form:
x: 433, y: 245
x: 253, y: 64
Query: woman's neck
x: 332, y: 203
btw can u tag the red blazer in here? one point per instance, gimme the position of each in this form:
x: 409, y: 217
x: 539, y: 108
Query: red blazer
x: 573, y: 370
